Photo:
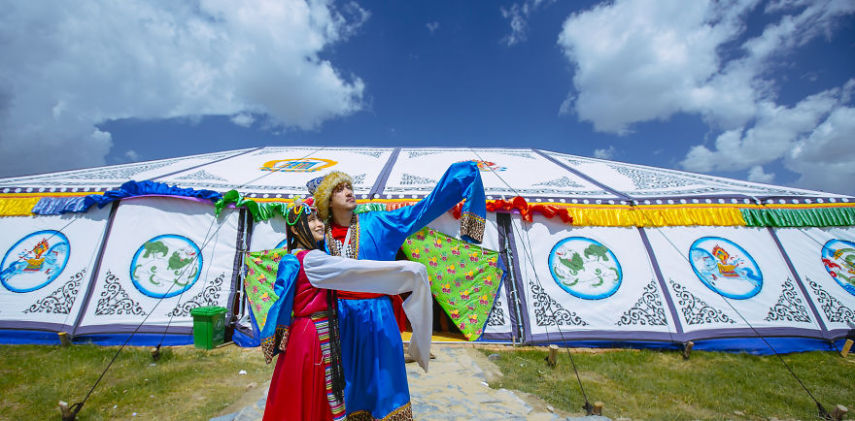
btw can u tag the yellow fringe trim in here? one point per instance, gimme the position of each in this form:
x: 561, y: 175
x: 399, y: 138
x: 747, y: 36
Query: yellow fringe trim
x: 48, y: 194
x: 21, y: 206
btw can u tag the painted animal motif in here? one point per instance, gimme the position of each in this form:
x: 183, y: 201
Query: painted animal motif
x: 573, y: 264
x: 178, y: 261
x: 155, y: 247
x: 598, y: 251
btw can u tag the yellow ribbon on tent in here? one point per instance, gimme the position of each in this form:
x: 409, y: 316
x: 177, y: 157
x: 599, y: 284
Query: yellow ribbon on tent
x: 17, y: 206
x: 654, y: 216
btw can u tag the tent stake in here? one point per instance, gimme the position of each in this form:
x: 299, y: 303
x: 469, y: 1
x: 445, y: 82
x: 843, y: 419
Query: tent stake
x: 687, y: 349
x: 155, y: 353
x: 847, y: 346
x: 69, y: 413
x: 839, y: 412
x: 552, y: 357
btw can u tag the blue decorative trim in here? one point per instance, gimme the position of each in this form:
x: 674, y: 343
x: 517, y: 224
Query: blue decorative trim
x: 139, y: 188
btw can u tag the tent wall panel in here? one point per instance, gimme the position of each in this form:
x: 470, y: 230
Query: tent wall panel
x: 163, y: 257
x: 727, y: 281
x: 589, y: 283
x: 816, y: 254
x: 46, y: 268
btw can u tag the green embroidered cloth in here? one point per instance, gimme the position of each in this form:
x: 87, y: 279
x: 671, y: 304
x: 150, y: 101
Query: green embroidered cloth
x: 464, y: 277
x: 261, y: 269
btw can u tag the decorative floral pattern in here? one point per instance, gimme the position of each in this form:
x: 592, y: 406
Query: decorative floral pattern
x: 464, y: 277
x: 115, y: 300
x: 648, y: 310
x: 358, y: 179
x: 410, y: 180
x: 61, y: 300
x: 497, y: 316
x: 695, y: 310
x: 647, y: 180
x: 209, y: 296
x: 417, y: 154
x: 547, y: 311
x: 373, y: 153
x: 678, y: 183
x: 789, y: 307
x: 834, y: 310
x: 560, y: 182
x: 201, y: 175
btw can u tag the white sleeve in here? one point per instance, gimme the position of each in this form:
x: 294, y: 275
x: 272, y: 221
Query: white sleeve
x: 395, y: 277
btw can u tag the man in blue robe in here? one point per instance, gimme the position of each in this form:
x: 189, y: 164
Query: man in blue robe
x: 372, y: 351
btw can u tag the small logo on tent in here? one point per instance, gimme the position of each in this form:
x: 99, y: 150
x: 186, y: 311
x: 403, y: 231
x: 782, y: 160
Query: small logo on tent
x: 34, y: 261
x: 487, y: 166
x: 166, y: 265
x: 297, y: 165
x: 585, y: 268
x: 725, y: 267
x: 838, y: 257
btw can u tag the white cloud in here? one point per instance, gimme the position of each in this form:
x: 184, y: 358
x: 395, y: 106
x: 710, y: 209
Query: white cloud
x: 757, y: 175
x: 772, y: 135
x: 69, y: 66
x: 432, y: 26
x: 132, y: 155
x: 518, y: 15
x: 644, y: 60
x: 605, y: 153
x: 825, y: 159
x: 243, y: 119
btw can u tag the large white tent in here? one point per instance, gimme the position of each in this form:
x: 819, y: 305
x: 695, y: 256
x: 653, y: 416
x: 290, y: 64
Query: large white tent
x: 597, y: 252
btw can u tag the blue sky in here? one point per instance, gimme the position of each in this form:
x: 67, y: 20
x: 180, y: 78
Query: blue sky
x: 757, y: 90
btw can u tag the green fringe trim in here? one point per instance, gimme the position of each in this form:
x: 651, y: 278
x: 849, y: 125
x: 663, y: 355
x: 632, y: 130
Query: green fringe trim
x: 259, y: 211
x: 816, y: 217
x: 264, y: 211
x: 369, y: 207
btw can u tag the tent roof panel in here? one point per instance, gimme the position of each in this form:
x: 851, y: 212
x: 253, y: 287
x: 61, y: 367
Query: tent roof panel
x: 505, y: 172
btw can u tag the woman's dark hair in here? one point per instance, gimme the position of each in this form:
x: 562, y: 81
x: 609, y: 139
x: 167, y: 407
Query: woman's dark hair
x: 298, y: 219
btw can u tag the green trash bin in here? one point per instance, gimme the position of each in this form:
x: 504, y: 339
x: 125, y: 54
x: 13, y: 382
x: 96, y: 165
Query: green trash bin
x: 209, y: 326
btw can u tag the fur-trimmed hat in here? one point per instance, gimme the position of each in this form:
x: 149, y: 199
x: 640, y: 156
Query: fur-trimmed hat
x: 325, y: 189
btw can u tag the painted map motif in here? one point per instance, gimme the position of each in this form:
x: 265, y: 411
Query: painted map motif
x: 34, y: 261
x: 838, y: 257
x: 166, y: 265
x: 725, y: 267
x: 585, y: 268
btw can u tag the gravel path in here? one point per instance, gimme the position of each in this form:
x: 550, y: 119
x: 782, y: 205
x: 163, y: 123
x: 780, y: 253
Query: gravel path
x: 455, y: 388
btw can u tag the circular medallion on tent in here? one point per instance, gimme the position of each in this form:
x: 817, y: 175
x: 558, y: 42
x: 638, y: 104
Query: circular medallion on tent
x: 585, y: 268
x: 297, y: 165
x: 725, y: 267
x: 34, y: 261
x: 838, y: 257
x: 166, y: 265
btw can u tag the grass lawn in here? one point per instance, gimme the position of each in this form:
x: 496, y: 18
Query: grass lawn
x: 186, y: 383
x: 661, y: 385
